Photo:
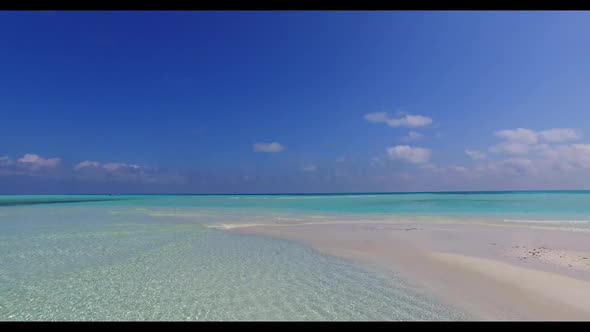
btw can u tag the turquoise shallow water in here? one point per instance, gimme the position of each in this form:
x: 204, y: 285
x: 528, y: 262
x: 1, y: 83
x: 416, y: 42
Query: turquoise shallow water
x: 153, y: 258
x: 544, y: 204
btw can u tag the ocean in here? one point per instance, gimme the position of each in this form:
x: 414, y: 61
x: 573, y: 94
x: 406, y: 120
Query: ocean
x: 162, y: 257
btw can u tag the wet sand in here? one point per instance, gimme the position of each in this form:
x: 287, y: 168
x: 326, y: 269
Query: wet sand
x: 492, y: 272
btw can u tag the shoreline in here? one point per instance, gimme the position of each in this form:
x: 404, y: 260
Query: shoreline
x: 492, y: 272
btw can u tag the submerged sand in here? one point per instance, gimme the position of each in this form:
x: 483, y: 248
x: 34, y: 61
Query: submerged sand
x: 491, y: 271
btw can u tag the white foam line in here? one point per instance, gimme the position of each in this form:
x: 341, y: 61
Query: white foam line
x: 546, y: 221
x: 230, y: 226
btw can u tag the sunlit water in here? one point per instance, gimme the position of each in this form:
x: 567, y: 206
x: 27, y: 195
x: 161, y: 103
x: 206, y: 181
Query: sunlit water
x: 156, y: 258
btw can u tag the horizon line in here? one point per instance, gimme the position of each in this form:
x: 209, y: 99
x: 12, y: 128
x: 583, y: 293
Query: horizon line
x: 309, y: 193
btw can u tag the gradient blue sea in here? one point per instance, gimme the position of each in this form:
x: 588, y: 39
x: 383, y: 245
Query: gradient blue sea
x: 155, y: 257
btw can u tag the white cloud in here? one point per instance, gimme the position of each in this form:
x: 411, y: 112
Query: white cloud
x: 112, y: 167
x: 510, y: 148
x: 410, y: 121
x: 442, y: 170
x: 414, y: 155
x: 519, y: 141
x: 87, y: 163
x: 35, y: 162
x: 123, y: 172
x: 413, y: 136
x: 108, y: 167
x: 491, y: 171
x: 4, y: 161
x: 546, y: 164
x: 519, y: 135
x: 407, y: 120
x: 475, y: 154
x: 534, y: 160
x: 376, y: 117
x: 565, y: 157
x: 528, y: 136
x: 268, y: 147
x: 510, y: 167
x: 119, y: 166
x: 309, y: 168
x: 560, y: 135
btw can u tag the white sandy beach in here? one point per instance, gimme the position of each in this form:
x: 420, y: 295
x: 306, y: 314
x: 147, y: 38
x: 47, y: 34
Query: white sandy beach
x: 493, y: 272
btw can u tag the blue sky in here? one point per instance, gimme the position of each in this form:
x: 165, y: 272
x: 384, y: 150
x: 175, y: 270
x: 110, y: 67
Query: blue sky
x: 354, y: 101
